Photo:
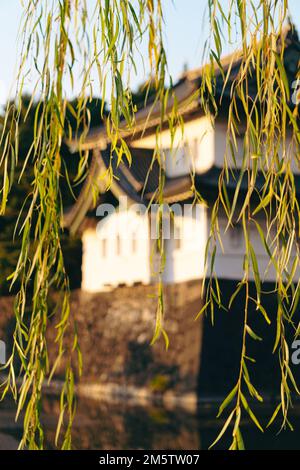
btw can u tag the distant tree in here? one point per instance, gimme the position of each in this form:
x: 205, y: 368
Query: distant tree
x: 10, y: 244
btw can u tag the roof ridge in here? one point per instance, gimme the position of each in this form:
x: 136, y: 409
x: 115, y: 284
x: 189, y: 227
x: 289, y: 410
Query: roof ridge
x: 289, y: 31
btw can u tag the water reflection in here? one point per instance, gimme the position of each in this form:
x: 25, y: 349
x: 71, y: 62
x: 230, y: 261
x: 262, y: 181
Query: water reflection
x: 107, y: 426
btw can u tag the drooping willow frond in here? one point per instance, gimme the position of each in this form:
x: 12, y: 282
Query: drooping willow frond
x: 267, y: 121
x: 62, y: 42
x: 70, y: 42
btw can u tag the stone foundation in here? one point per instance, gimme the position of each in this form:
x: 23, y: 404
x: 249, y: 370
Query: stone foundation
x: 115, y: 331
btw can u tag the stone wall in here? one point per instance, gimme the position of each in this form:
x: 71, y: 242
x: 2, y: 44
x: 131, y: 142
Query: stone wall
x: 115, y: 331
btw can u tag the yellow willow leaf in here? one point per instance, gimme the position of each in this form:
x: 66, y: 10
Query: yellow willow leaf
x: 223, y: 430
x: 227, y: 400
x: 252, y: 334
x: 273, y: 417
x: 250, y: 412
x: 264, y: 202
x: 239, y: 440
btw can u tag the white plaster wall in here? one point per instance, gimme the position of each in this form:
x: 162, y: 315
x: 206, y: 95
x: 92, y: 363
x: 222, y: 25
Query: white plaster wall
x: 100, y: 270
x: 200, y: 147
x: 193, y: 149
x: 91, y: 262
x: 178, y: 161
x: 229, y: 263
x: 184, y: 258
x: 185, y: 261
x: 220, y: 146
x: 220, y: 149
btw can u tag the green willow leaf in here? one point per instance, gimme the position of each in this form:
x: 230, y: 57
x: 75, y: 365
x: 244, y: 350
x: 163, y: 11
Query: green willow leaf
x: 250, y: 412
x: 227, y: 400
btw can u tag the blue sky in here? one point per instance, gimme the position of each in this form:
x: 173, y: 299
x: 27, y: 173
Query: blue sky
x: 185, y: 36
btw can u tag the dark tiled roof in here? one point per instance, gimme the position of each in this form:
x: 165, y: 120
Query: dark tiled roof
x: 129, y: 181
x: 185, y: 90
x: 140, y: 179
x: 142, y: 173
x: 208, y: 184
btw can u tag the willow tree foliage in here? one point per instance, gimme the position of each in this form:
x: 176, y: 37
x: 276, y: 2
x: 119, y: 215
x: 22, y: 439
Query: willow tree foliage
x: 65, y: 41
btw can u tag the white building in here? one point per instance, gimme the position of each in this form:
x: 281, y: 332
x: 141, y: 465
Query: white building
x: 121, y: 250
x: 117, y: 253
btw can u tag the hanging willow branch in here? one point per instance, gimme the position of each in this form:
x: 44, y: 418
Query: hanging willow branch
x: 58, y: 36
x: 267, y: 147
x: 63, y: 42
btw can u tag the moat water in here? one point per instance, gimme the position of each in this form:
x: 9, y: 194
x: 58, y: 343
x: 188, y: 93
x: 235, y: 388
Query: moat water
x: 106, y: 426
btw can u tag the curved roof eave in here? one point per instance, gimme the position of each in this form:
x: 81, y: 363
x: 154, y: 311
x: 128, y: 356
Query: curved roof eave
x: 146, y: 118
